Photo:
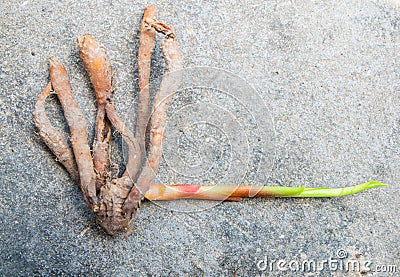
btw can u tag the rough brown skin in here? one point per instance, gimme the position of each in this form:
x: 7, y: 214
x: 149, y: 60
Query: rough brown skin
x: 52, y: 138
x: 146, y: 48
x: 100, y: 72
x: 78, y: 131
x: 162, y: 99
x: 115, y: 201
x: 125, y: 198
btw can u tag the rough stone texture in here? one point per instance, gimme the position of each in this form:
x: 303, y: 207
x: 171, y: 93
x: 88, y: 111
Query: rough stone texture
x: 329, y: 75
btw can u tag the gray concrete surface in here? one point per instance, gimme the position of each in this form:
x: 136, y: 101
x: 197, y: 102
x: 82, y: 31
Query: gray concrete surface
x: 329, y: 74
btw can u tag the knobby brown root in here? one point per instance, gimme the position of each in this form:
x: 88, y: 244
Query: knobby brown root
x: 115, y: 201
x: 163, y: 97
x: 100, y: 72
x: 121, y: 195
x: 52, y: 138
x: 112, y: 196
x: 146, y: 48
x: 78, y: 131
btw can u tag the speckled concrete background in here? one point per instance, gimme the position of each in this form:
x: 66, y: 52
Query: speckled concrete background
x: 329, y: 74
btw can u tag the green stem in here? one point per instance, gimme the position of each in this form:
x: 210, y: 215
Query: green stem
x: 236, y: 193
x: 337, y: 192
